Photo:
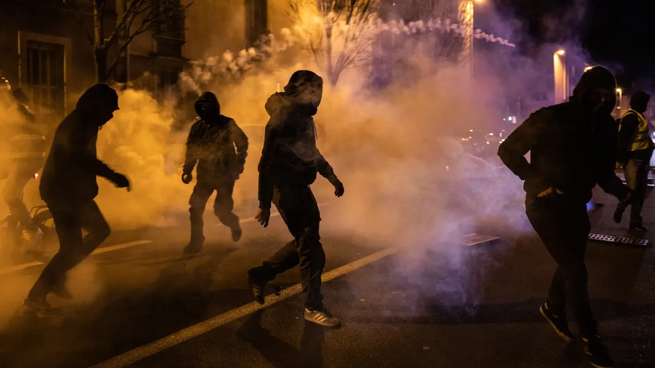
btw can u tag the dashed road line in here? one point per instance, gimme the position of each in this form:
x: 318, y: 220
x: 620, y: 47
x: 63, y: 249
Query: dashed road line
x: 140, y: 353
x: 102, y: 250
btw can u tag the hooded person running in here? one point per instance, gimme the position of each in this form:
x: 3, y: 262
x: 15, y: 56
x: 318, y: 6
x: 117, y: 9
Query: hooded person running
x: 289, y: 165
x: 220, y: 148
x: 572, y: 148
x: 69, y: 186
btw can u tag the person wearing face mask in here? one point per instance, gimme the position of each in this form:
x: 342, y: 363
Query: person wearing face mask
x: 69, y: 186
x: 634, y: 153
x: 219, y: 147
x: 288, y: 166
x: 572, y: 148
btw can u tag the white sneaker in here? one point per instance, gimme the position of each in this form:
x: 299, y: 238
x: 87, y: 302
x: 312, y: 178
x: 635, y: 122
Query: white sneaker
x: 322, y: 317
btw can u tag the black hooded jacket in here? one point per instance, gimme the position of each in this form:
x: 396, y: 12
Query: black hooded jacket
x: 290, y: 155
x: 571, y: 148
x: 69, y: 175
x: 217, y: 144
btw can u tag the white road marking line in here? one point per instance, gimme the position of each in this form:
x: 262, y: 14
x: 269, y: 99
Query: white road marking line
x: 102, y: 250
x: 121, y: 246
x: 142, y: 352
x: 19, y: 267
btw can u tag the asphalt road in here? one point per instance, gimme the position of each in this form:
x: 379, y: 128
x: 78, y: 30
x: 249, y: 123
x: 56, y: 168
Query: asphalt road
x: 426, y: 305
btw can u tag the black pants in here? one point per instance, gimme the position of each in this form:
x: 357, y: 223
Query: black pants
x: 300, y: 212
x: 73, y: 248
x: 564, y: 229
x: 636, y: 178
x: 223, y: 206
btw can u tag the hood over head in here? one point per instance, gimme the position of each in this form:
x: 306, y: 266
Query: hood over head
x: 596, y: 78
x: 98, y: 102
x: 304, y: 92
x: 100, y: 96
x: 639, y: 101
x: 208, y: 107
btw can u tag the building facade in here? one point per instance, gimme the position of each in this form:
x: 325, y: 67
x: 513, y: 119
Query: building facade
x: 45, y: 50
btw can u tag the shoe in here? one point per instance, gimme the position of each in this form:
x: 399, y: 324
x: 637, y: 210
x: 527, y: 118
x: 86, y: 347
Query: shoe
x: 322, y: 318
x: 33, y: 237
x: 618, y: 214
x: 40, y: 309
x: 194, y: 247
x: 597, y: 353
x: 256, y: 284
x: 236, y: 233
x: 557, y: 322
x: 639, y: 228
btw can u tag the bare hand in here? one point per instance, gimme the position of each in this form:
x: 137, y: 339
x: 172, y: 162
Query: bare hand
x: 339, y: 189
x: 549, y: 191
x: 187, y: 178
x: 618, y: 166
x: 263, y: 217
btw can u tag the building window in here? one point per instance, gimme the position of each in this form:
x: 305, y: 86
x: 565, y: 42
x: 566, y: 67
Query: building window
x: 45, y: 75
x: 168, y: 78
x: 256, y: 19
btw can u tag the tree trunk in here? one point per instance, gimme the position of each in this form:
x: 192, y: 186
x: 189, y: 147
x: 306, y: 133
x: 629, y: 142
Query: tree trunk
x: 101, y: 65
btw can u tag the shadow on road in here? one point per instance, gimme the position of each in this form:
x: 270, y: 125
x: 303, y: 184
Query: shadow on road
x: 280, y: 353
x: 114, y: 323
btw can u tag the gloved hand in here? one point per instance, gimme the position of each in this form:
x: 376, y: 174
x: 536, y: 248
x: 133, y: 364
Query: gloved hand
x: 338, y: 188
x: 121, y: 181
x: 187, y: 178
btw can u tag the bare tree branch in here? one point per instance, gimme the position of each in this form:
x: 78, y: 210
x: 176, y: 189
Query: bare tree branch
x: 72, y: 4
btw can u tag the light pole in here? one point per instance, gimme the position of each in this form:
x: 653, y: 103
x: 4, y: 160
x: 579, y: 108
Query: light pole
x: 561, y: 76
x: 467, y: 19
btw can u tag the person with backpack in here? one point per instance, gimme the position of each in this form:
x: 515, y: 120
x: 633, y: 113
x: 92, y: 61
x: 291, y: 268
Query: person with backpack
x: 635, y: 149
x: 219, y: 147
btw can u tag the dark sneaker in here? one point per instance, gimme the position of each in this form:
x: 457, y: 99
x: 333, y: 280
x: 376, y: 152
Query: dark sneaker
x: 37, y: 309
x: 322, y: 317
x: 194, y: 247
x: 618, y: 214
x: 257, y: 285
x: 236, y: 233
x: 558, y: 322
x: 639, y: 228
x: 597, y: 353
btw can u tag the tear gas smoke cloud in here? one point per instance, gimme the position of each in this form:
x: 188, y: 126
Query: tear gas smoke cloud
x: 204, y: 71
x: 389, y: 148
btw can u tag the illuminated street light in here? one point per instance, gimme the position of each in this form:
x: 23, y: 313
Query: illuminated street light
x: 619, y: 92
x: 561, y: 76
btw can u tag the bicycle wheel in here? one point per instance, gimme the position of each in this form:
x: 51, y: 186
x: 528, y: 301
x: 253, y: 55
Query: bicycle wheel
x: 50, y: 242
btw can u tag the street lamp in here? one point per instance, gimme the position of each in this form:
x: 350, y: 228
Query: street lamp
x: 619, y: 93
x: 561, y: 76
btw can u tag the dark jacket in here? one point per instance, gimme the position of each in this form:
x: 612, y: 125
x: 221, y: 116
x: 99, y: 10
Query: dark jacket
x: 290, y: 155
x: 217, y: 144
x: 571, y: 148
x: 69, y: 175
